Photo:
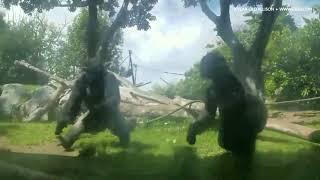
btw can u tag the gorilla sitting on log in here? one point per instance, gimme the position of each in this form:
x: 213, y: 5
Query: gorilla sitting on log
x: 99, y: 90
x: 242, y: 115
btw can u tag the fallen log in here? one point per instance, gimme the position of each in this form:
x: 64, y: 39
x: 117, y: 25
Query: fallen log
x: 29, y: 66
x: 131, y: 96
x: 296, y: 130
x: 52, y: 102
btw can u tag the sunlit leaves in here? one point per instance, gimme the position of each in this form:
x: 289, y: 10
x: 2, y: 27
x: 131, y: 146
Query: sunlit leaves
x: 293, y: 62
x: 138, y: 14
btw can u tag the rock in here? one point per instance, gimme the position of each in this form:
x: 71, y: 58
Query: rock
x: 38, y: 99
x: 12, y: 96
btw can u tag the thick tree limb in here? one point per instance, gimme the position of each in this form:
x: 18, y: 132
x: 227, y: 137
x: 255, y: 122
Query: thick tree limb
x: 224, y: 26
x: 56, y: 78
x: 92, y: 29
x: 296, y: 130
x: 108, y: 34
x: 267, y: 20
x: 222, y: 22
x: 52, y: 102
x: 207, y: 11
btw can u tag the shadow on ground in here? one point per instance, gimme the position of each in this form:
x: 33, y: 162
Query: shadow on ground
x: 183, y: 164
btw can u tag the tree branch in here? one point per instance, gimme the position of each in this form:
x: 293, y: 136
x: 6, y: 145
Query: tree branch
x: 92, y: 29
x: 56, y: 78
x: 223, y: 23
x: 207, y: 11
x: 109, y: 32
x: 224, y: 26
x: 267, y: 20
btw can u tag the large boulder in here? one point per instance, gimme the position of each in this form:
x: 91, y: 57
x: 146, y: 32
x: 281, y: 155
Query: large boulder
x: 39, y: 98
x: 12, y: 96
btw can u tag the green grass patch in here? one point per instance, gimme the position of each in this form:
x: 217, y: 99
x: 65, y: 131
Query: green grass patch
x: 313, y: 124
x: 27, y: 133
x: 160, y: 151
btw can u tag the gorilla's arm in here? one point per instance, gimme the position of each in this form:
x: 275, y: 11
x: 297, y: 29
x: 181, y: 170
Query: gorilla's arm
x: 78, y: 93
x: 207, y: 116
x: 73, y: 105
x: 211, y: 103
x: 205, y: 120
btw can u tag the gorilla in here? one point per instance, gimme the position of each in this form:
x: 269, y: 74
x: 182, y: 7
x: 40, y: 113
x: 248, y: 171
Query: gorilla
x: 242, y: 115
x: 99, y: 90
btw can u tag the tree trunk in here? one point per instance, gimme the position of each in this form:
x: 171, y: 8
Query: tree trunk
x: 250, y: 75
x: 92, y: 33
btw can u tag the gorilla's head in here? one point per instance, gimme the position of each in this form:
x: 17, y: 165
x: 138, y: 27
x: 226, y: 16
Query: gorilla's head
x: 213, y: 64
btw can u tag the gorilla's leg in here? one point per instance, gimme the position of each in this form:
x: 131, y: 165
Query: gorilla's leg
x: 238, y: 139
x: 204, y: 122
x: 120, y: 128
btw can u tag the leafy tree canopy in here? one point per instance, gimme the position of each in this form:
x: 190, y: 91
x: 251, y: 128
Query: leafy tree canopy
x: 33, y: 40
x: 139, y: 13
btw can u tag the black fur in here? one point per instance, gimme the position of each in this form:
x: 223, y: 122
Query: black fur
x: 98, y: 89
x: 242, y: 115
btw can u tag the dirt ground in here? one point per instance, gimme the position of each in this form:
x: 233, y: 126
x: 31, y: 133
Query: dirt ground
x: 50, y: 148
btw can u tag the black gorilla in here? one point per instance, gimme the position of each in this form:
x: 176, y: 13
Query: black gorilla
x: 242, y: 115
x: 99, y: 90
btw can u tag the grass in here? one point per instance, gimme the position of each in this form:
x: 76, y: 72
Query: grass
x: 161, y: 152
x: 27, y: 133
x: 314, y: 124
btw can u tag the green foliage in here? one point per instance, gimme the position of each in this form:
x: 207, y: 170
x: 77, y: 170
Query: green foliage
x: 193, y: 86
x: 69, y: 58
x: 33, y: 40
x: 292, y: 63
x: 168, y: 90
x: 283, y: 21
x: 73, y: 53
x: 138, y: 15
